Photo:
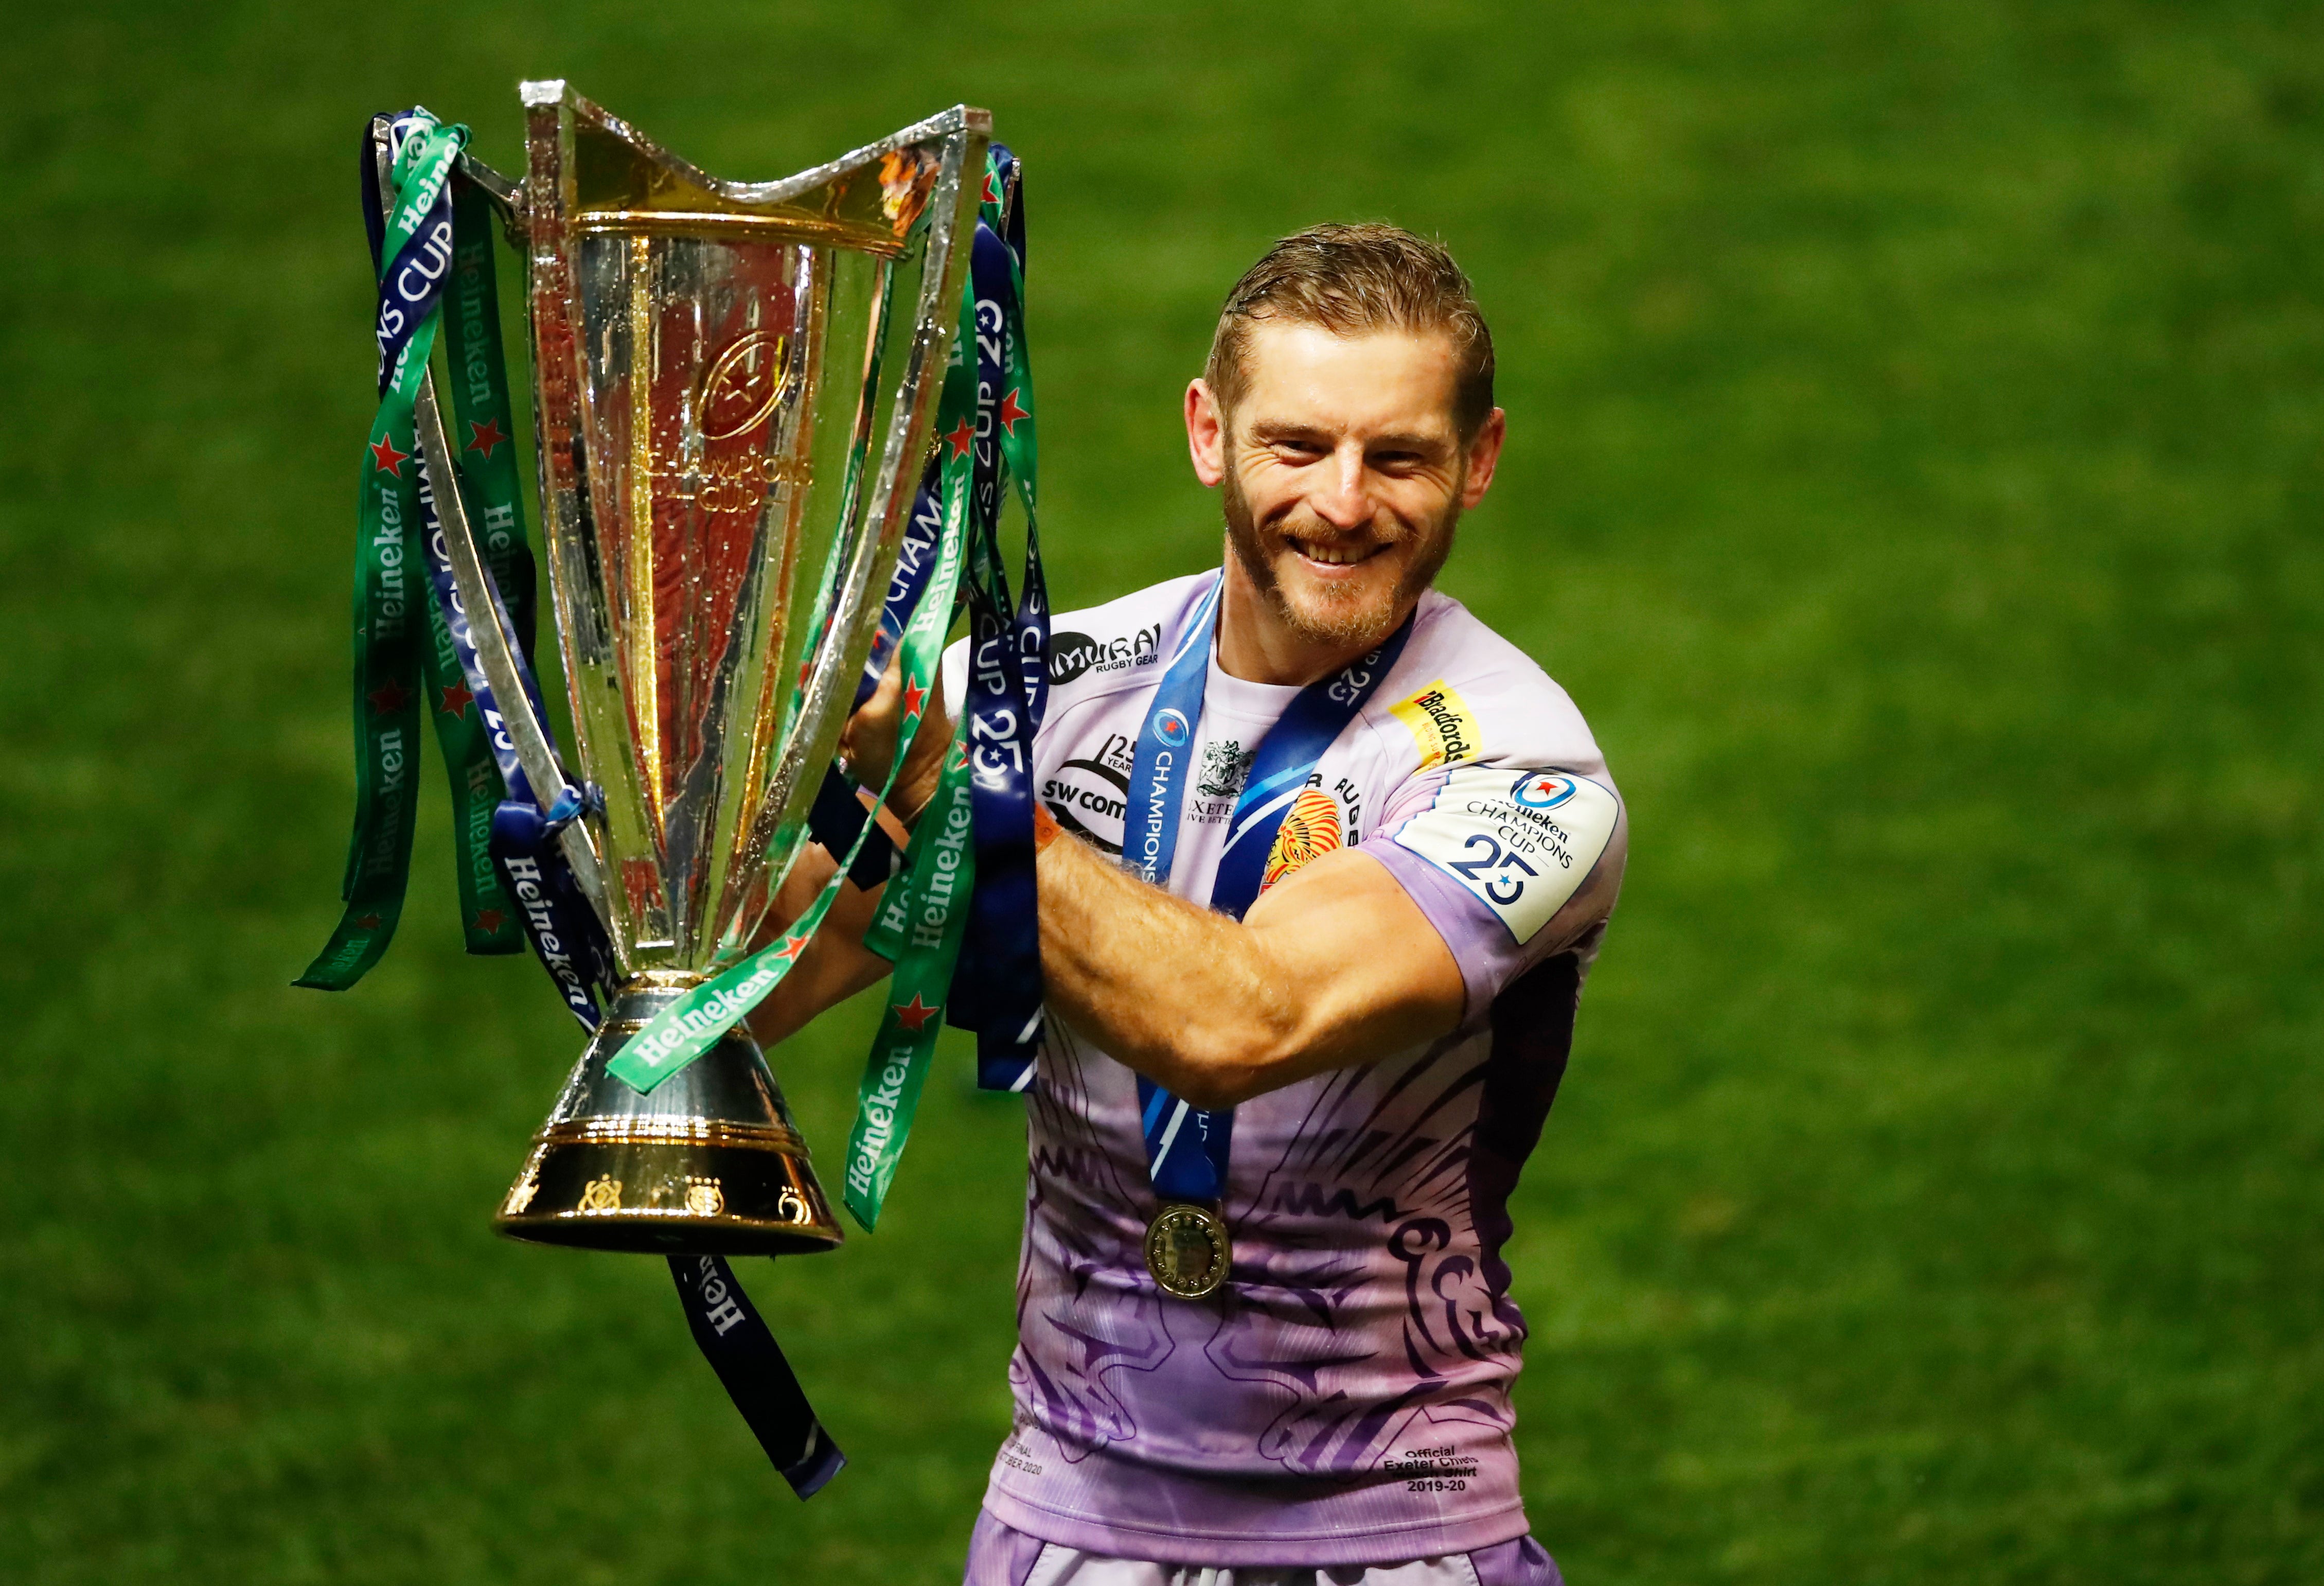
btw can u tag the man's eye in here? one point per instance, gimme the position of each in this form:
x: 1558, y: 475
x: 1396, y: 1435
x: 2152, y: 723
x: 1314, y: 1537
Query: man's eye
x: 1299, y: 451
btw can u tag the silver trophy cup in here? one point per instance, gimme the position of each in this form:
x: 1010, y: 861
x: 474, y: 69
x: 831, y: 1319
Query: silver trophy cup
x: 731, y: 421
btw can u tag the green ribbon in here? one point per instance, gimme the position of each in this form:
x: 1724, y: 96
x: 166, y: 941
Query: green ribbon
x: 391, y: 587
x: 923, y: 914
x: 923, y: 917
x: 485, y: 460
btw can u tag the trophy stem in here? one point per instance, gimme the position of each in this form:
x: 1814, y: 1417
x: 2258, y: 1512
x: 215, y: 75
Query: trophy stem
x: 708, y: 1164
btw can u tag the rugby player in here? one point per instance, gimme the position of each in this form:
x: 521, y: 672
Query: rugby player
x: 1387, y: 1020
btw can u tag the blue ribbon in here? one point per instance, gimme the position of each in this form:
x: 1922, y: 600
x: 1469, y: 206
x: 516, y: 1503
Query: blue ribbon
x: 1186, y: 1145
x: 997, y: 987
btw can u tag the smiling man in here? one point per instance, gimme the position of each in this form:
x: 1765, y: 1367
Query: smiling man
x: 1323, y: 864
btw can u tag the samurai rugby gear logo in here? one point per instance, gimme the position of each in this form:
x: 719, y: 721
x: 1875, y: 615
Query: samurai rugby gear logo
x: 1440, y: 721
x: 1072, y: 654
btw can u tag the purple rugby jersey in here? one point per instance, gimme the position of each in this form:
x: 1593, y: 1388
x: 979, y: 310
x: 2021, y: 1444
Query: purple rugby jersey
x: 1345, y: 1398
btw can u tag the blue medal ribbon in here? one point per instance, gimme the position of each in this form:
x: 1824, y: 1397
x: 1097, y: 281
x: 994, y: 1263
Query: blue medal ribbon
x: 1186, y: 1145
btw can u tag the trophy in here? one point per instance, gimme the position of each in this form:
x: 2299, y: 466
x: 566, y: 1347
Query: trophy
x: 729, y: 441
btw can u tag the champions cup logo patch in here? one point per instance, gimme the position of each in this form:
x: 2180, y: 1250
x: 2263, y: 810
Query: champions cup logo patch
x: 1171, y: 726
x: 1440, y: 723
x: 1543, y: 789
x: 1523, y: 845
x: 1309, y: 831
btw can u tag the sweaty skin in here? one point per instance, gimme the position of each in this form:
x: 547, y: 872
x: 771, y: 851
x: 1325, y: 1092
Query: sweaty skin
x: 1343, y: 473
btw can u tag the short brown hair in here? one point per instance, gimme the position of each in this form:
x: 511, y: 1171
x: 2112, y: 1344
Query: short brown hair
x: 1352, y: 279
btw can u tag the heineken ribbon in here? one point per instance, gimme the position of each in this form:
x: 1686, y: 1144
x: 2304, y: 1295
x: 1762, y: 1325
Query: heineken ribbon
x: 923, y: 912
x: 1009, y: 676
x: 750, y: 1364
x: 923, y: 923
x: 1186, y: 1145
x: 415, y: 251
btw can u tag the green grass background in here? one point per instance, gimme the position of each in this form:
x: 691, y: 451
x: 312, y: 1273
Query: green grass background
x: 1914, y: 472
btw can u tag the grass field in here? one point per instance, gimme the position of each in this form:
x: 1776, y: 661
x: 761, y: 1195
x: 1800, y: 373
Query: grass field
x: 1915, y: 472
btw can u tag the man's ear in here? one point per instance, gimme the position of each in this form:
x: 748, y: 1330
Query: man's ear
x: 1484, y: 456
x: 1206, y: 434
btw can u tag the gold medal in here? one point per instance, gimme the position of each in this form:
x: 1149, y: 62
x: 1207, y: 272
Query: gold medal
x: 1187, y: 1251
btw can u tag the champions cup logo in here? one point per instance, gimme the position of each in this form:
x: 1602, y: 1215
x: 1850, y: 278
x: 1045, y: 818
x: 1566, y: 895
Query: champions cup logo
x: 1171, y: 728
x: 1542, y: 790
x: 743, y: 386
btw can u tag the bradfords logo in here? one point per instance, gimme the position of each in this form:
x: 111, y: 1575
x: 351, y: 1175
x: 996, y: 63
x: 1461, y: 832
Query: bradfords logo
x: 1542, y: 790
x: 1072, y: 654
x: 1440, y: 724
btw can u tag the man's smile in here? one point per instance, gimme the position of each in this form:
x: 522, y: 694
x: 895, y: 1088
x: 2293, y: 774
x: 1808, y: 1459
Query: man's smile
x: 1335, y: 554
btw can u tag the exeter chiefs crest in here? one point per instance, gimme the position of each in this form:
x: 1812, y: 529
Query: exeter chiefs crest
x: 1311, y: 830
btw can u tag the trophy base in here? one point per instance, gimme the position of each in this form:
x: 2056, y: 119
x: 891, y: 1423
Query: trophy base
x: 707, y: 1164
x: 711, y: 1190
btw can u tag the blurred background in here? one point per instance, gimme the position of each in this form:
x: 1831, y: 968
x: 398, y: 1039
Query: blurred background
x: 1915, y: 473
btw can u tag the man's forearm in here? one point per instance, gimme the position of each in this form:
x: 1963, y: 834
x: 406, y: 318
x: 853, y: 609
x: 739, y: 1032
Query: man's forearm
x: 1179, y: 993
x: 1219, y: 1011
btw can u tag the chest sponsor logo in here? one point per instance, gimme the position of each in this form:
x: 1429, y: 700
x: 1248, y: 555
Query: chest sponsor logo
x: 1522, y: 841
x: 1088, y: 796
x: 1442, y: 723
x: 1072, y: 654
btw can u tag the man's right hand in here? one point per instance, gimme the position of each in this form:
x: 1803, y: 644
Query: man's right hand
x: 868, y: 744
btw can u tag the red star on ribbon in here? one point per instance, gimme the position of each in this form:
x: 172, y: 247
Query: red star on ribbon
x: 386, y: 458
x: 369, y: 922
x: 959, y: 755
x: 788, y: 950
x: 961, y: 438
x: 914, y: 697
x: 991, y: 193
x: 913, y: 1014
x: 1011, y: 412
x: 454, y: 701
x: 490, y: 919
x: 387, y: 697
x: 484, y: 436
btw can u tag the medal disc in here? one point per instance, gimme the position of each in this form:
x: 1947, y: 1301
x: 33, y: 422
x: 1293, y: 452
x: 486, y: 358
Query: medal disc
x: 1187, y: 1251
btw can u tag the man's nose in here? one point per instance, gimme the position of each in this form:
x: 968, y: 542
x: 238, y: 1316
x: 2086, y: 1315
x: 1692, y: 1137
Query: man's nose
x: 1343, y: 501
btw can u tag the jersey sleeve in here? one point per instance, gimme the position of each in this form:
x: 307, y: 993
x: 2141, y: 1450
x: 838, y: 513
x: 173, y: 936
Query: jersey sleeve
x: 1507, y: 832
x: 1510, y: 866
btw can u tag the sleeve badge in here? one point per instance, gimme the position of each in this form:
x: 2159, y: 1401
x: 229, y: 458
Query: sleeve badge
x: 1522, y: 841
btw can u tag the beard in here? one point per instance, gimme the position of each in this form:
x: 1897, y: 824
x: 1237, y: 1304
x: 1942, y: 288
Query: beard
x: 1357, y: 616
